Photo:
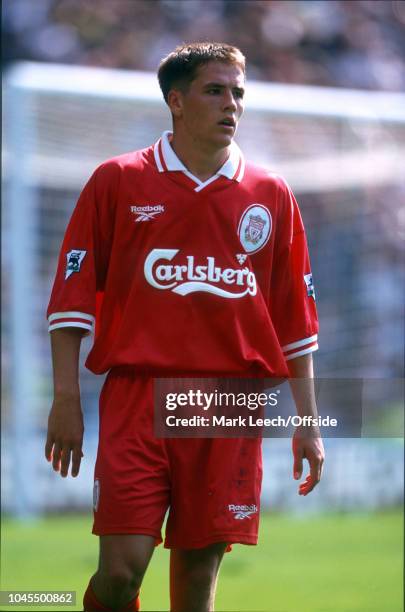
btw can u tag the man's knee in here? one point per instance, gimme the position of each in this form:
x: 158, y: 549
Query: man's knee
x: 117, y: 585
x: 122, y: 565
x: 122, y: 578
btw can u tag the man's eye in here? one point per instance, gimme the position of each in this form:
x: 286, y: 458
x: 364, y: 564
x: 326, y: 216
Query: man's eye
x: 238, y: 94
x: 213, y: 90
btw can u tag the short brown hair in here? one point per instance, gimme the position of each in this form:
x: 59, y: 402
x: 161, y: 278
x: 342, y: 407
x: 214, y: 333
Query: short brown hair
x: 180, y: 67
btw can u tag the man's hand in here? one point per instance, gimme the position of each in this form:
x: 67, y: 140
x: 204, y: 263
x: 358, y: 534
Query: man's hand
x: 65, y: 423
x: 310, y: 447
x: 65, y: 434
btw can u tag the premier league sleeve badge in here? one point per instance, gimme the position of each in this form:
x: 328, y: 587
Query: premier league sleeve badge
x: 74, y: 261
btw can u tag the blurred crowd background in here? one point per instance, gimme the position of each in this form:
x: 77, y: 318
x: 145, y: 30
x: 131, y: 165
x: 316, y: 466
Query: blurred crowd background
x: 345, y: 43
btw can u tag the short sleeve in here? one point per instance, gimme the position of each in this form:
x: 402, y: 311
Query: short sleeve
x: 83, y: 258
x: 292, y: 295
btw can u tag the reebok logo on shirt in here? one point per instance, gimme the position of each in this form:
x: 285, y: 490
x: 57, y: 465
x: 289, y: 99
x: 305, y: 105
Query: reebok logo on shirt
x: 147, y: 212
x: 243, y: 511
x: 187, y: 277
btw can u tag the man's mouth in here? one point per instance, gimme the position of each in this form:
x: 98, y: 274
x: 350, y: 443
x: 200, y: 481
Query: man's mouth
x: 228, y: 121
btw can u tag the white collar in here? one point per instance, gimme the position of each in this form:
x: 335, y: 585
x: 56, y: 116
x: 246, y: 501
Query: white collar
x: 167, y: 161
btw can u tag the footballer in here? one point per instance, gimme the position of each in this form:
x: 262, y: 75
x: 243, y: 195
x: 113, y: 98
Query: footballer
x: 184, y: 259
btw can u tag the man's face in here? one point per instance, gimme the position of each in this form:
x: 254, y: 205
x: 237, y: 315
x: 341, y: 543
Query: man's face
x: 211, y: 107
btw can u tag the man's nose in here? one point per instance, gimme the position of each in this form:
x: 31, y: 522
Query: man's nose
x: 229, y: 101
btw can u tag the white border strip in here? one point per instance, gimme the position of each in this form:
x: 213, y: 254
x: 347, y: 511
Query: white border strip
x: 312, y: 348
x: 241, y: 173
x: 71, y: 314
x: 293, y: 345
x: 53, y: 326
x: 207, y: 182
x: 157, y: 156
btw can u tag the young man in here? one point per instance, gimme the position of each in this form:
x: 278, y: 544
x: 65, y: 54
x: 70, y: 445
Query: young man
x: 188, y: 261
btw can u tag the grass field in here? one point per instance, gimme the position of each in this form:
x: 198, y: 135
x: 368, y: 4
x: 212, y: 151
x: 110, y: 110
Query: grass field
x: 333, y: 563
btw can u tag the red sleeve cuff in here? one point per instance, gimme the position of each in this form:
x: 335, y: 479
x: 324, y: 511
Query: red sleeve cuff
x: 82, y: 320
x: 301, y: 347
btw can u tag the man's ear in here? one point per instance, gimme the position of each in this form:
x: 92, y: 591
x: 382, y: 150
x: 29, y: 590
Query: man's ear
x: 175, y: 102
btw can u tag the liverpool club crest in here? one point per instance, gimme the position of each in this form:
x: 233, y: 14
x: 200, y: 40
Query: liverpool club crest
x: 254, y: 227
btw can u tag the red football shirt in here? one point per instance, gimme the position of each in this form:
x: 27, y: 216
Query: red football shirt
x: 183, y: 277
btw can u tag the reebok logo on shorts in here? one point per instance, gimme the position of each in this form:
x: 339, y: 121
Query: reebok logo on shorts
x: 242, y: 512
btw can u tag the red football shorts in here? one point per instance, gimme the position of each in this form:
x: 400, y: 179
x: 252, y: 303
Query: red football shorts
x: 211, y: 486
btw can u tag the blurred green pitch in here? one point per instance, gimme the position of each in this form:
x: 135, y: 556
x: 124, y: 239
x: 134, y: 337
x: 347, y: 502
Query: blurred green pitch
x: 323, y: 563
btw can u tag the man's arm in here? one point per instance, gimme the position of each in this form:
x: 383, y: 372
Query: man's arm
x: 306, y: 444
x: 65, y: 423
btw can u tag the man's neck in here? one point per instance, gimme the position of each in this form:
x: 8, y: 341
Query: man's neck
x: 200, y: 162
